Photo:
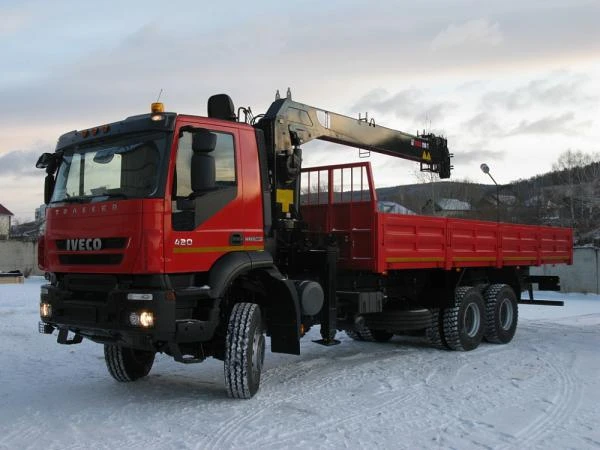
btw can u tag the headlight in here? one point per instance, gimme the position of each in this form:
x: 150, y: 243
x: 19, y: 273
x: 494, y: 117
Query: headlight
x: 143, y: 319
x: 45, y: 310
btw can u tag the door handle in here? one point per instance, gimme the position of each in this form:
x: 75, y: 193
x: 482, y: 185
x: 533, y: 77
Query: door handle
x: 236, y: 239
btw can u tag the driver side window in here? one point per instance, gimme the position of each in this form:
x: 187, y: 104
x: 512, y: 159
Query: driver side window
x: 224, y: 157
x: 192, y: 207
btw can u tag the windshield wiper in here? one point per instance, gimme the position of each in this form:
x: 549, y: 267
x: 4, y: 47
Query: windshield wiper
x: 115, y: 195
x: 78, y: 199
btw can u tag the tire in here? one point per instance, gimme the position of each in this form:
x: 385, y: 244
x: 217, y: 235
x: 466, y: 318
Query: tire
x: 434, y: 331
x: 366, y: 334
x: 375, y: 335
x: 127, y: 364
x: 463, y: 324
x: 501, y: 314
x: 244, y: 351
x: 353, y: 335
x: 399, y: 321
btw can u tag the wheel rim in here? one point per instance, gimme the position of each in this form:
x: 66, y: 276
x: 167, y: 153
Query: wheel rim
x: 472, y: 320
x: 506, y: 314
x: 258, y: 353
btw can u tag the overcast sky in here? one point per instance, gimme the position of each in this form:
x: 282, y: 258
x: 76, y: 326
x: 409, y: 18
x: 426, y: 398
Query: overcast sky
x: 510, y: 83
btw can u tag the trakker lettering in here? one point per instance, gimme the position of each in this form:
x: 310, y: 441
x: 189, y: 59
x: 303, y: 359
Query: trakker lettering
x: 82, y: 245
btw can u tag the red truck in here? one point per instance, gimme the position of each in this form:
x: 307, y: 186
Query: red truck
x: 197, y: 236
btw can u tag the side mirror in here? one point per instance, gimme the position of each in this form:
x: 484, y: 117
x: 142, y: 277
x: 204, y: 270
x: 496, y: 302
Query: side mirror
x: 203, y: 141
x: 48, y: 188
x: 44, y: 160
x: 203, y: 173
x: 104, y: 156
x: 49, y: 161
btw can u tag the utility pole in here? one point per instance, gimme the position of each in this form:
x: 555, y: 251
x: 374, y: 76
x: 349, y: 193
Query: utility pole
x: 486, y: 169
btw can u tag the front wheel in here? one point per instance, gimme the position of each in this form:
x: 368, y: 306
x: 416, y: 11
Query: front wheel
x: 127, y: 364
x: 244, y: 351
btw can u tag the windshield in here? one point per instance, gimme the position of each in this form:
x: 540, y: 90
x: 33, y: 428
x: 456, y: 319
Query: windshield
x: 124, y: 167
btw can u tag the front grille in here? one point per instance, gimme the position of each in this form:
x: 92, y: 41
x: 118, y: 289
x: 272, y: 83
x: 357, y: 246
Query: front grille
x: 84, y: 282
x: 113, y: 243
x: 91, y: 259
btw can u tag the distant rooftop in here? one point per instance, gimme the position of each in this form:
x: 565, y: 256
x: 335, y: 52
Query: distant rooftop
x: 453, y: 204
x: 4, y: 211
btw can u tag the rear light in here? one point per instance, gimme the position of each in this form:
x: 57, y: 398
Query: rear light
x: 41, y: 257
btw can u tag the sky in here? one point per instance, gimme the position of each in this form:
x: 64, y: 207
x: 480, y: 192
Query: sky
x: 509, y: 83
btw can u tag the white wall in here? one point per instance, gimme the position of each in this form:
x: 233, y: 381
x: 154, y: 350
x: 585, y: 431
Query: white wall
x: 19, y: 255
x: 4, y: 226
x: 582, y: 276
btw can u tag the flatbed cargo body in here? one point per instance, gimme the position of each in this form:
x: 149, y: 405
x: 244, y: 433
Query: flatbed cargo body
x: 379, y: 242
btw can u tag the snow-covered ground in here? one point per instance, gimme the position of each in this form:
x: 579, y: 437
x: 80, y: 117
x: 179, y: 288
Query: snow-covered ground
x: 540, y: 391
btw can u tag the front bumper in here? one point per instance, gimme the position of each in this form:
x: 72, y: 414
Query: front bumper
x: 105, y: 316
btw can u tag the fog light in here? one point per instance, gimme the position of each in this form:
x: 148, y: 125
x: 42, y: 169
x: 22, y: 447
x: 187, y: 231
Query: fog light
x: 45, y: 310
x: 134, y: 296
x: 146, y: 319
x: 134, y: 319
x: 141, y: 319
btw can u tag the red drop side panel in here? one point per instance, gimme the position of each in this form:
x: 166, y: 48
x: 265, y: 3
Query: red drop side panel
x: 340, y: 200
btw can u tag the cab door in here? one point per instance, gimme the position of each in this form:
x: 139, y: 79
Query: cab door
x: 207, y: 204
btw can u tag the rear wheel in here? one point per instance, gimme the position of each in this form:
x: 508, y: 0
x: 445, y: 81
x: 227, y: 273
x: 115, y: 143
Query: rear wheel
x: 244, y: 351
x: 353, y: 335
x: 463, y: 323
x: 366, y: 334
x: 375, y: 335
x: 434, y: 331
x: 501, y: 314
x: 127, y: 364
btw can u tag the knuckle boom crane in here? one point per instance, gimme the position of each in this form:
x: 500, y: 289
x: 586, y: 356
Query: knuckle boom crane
x: 198, y: 236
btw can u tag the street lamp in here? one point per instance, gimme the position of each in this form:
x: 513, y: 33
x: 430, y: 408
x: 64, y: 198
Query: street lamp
x: 486, y: 169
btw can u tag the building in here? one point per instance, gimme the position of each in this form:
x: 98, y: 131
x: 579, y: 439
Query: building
x: 5, y: 219
x: 452, y: 207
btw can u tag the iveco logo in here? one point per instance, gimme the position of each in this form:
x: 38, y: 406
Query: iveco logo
x: 84, y: 244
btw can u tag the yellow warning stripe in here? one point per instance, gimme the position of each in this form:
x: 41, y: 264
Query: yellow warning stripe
x: 229, y: 248
x: 474, y: 258
x: 470, y: 258
x: 415, y: 259
x: 518, y: 258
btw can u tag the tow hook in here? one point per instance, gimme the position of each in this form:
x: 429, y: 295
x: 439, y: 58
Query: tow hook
x: 63, y: 334
x: 45, y: 328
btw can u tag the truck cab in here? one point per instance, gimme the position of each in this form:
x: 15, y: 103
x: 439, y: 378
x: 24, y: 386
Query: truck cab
x: 153, y: 225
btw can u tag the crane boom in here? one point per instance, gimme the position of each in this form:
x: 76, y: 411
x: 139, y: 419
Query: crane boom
x: 292, y: 124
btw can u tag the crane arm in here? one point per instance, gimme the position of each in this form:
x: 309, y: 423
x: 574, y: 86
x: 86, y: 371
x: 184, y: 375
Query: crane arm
x: 292, y: 124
